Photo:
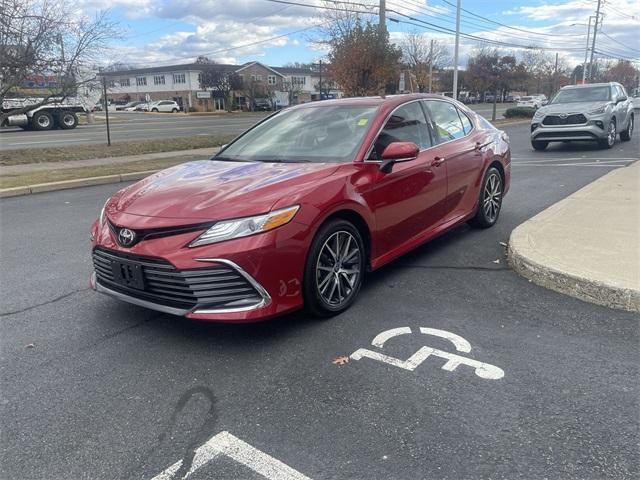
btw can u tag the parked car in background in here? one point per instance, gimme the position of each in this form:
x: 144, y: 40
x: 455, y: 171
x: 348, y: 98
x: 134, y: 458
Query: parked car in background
x: 529, y: 102
x: 488, y: 97
x: 131, y: 106
x: 141, y: 107
x: 635, y: 98
x: 542, y: 97
x: 509, y: 99
x: 162, y: 106
x: 596, y: 112
x: 261, y: 105
x: 296, y: 210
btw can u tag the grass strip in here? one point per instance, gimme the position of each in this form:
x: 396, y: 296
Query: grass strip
x: 120, y: 149
x: 46, y: 176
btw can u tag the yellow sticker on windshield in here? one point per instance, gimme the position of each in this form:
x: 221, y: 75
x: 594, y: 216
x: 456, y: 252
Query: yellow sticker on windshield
x: 362, y: 122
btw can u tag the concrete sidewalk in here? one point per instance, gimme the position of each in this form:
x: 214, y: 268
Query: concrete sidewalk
x: 39, y: 167
x: 587, y: 245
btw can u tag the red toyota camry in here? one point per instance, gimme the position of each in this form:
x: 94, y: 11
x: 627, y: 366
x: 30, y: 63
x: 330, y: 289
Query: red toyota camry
x: 294, y: 211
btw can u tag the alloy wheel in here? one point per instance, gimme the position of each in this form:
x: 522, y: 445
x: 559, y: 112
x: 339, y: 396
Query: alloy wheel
x: 611, y: 137
x: 492, y: 197
x: 338, y: 268
x: 43, y: 121
x: 68, y: 120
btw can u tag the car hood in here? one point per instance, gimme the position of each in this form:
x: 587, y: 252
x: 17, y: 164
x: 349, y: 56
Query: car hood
x: 573, y: 107
x: 210, y: 190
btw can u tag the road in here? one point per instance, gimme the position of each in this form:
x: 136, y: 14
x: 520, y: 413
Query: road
x: 97, y: 389
x: 140, y: 126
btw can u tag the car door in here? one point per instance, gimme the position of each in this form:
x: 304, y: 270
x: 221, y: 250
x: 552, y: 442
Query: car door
x: 622, y: 107
x: 409, y: 199
x: 461, y: 147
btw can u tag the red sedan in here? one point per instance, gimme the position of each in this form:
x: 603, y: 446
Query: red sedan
x: 294, y: 211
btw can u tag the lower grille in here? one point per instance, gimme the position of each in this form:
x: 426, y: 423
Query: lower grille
x: 218, y: 287
x: 573, y: 119
x: 586, y: 135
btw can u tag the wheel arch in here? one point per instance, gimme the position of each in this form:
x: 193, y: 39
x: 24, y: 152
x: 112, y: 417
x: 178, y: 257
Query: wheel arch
x: 358, y: 221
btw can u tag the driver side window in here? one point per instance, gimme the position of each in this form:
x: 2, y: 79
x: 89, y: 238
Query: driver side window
x: 406, y: 124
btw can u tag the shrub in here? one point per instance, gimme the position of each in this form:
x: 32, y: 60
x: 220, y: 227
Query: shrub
x: 515, y: 112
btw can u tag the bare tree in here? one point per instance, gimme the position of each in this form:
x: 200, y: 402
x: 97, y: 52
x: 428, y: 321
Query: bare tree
x: 49, y: 38
x: 418, y: 54
x: 218, y: 78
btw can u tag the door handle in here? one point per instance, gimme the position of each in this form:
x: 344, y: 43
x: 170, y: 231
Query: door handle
x: 437, y: 161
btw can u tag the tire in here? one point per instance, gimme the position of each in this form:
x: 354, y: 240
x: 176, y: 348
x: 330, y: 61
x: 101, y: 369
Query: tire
x: 539, y: 145
x: 625, y: 136
x: 154, y: 110
x: 489, y: 200
x: 610, y: 140
x: 42, y: 120
x: 325, y: 276
x: 67, y: 120
x: 175, y: 110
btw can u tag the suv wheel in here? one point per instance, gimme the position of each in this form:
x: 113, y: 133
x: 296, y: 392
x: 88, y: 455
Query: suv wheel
x: 539, y: 145
x: 611, y: 136
x: 626, y: 134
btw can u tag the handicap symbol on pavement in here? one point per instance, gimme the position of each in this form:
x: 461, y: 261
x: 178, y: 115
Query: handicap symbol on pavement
x: 482, y: 370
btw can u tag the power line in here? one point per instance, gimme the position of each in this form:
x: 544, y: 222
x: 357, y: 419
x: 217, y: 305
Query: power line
x: 617, y: 41
x: 319, y: 7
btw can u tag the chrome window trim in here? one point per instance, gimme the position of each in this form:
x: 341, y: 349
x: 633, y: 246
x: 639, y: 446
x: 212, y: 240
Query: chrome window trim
x: 366, y: 157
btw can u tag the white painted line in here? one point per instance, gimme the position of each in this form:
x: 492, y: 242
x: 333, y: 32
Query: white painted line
x: 460, y: 343
x: 225, y: 444
x: 46, y: 141
x: 387, y: 334
x: 574, y: 165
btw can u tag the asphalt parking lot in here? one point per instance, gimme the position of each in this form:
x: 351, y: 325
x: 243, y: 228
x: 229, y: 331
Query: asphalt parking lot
x: 126, y: 126
x: 97, y: 389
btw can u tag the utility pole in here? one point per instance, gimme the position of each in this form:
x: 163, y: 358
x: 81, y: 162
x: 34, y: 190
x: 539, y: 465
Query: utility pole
x: 593, y: 45
x: 555, y: 78
x: 106, y: 108
x: 320, y: 74
x: 455, y: 54
x: 382, y: 25
x: 431, y: 67
x: 586, y: 52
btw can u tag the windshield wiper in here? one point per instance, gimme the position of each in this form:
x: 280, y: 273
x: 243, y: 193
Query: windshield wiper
x: 283, y: 160
x: 228, y: 159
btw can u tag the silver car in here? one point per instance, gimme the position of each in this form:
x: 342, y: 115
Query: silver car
x: 596, y: 112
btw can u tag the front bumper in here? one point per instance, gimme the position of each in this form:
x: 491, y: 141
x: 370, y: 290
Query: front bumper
x: 593, y: 129
x: 271, y: 263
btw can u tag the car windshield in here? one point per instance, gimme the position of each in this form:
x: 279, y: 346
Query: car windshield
x: 313, y: 134
x: 593, y: 94
x: 525, y: 99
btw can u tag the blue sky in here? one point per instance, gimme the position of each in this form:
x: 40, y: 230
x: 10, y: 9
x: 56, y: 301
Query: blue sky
x: 235, y: 31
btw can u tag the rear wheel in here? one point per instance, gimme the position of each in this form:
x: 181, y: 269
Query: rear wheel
x: 334, y: 269
x: 539, y: 145
x: 626, y: 134
x: 42, y: 121
x: 68, y: 120
x: 611, y: 136
x: 154, y: 110
x: 490, y: 201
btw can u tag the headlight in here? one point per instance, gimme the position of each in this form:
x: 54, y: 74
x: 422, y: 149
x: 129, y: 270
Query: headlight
x: 539, y: 114
x: 243, y: 227
x: 103, y: 217
x: 597, y: 111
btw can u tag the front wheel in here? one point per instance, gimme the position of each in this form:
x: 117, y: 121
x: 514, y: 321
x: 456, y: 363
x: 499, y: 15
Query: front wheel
x: 490, y: 201
x: 155, y: 110
x: 334, y: 269
x: 42, y: 120
x: 625, y: 135
x: 175, y: 110
x: 539, y: 145
x: 611, y: 136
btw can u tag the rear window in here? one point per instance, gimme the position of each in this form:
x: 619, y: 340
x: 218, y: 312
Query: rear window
x: 525, y: 99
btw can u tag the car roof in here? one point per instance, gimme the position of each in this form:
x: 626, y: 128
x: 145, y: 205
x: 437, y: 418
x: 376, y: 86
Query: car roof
x: 587, y: 85
x: 387, y: 101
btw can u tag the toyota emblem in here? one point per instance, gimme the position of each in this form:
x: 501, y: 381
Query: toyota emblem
x: 126, y: 237
x: 563, y: 115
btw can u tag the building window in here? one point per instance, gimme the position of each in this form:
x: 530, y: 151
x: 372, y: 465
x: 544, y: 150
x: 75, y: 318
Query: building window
x: 158, y: 79
x: 112, y: 83
x: 124, y: 82
x: 271, y: 79
x: 299, y: 80
x: 258, y: 78
x: 141, y: 81
x: 241, y: 76
x: 179, y: 78
x: 253, y: 78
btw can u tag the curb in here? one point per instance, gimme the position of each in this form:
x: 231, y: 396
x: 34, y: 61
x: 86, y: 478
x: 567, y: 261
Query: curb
x: 80, y: 182
x: 586, y: 289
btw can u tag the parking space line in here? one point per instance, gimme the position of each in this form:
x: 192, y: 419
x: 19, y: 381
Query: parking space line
x: 226, y: 444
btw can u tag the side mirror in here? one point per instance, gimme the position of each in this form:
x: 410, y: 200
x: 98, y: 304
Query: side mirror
x: 621, y: 99
x: 398, y: 152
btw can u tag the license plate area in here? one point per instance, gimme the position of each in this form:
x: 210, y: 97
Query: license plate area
x: 128, y: 274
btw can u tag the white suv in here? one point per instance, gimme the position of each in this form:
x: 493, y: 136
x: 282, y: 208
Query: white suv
x: 163, y: 106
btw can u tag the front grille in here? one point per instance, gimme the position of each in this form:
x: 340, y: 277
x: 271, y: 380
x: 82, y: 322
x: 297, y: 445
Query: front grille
x: 586, y: 135
x: 573, y: 119
x: 217, y: 287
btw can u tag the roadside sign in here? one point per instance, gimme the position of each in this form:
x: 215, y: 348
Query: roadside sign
x: 482, y: 370
x: 203, y: 94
